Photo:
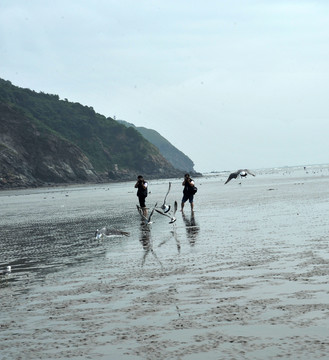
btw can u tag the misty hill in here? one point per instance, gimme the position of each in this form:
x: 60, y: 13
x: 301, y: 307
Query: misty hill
x: 176, y: 157
x: 44, y: 139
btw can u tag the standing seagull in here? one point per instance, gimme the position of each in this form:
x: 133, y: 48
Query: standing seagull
x: 164, y: 206
x: 6, y: 271
x: 172, y: 218
x: 146, y: 221
x: 241, y: 173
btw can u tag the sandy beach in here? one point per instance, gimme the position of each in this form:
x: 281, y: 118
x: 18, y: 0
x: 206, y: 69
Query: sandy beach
x: 245, y: 277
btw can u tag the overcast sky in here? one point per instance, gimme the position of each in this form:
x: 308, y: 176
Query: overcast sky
x: 231, y: 83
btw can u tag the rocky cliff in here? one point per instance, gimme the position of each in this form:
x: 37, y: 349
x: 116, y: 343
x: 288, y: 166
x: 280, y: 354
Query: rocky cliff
x: 45, y: 140
x: 29, y: 158
x: 176, y: 157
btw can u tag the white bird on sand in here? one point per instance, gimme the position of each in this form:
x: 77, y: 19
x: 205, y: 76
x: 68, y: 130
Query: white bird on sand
x: 6, y: 271
x: 108, y: 232
x: 241, y: 173
x: 146, y: 220
x: 172, y: 218
x: 164, y: 206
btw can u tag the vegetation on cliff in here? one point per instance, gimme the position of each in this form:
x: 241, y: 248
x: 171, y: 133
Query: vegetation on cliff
x: 176, y: 157
x: 111, y: 148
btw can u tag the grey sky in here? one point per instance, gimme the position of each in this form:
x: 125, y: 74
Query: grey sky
x: 230, y: 83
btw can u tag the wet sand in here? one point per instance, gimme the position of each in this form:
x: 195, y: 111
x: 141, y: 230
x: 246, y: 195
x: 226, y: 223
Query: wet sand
x: 245, y: 278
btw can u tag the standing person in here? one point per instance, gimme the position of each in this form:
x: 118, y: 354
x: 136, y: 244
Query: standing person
x: 188, y: 192
x: 141, y: 185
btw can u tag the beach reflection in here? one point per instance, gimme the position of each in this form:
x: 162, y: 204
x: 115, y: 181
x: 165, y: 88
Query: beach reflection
x: 192, y: 228
x: 173, y: 233
x: 147, y: 243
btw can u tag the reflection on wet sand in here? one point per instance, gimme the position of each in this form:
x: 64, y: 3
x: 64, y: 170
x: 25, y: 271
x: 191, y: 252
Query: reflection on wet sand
x: 254, y: 287
x: 192, y: 228
x: 146, y: 241
x: 173, y: 232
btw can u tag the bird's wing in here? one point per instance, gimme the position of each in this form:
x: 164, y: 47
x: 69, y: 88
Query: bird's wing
x: 249, y: 172
x: 231, y: 176
x: 117, y: 232
x: 138, y: 209
x: 106, y: 231
x: 141, y: 213
x: 120, y: 232
x: 150, y: 216
x: 160, y: 212
x: 164, y: 201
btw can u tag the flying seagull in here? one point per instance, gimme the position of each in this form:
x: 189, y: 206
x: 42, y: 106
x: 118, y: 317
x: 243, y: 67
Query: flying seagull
x: 107, y: 232
x: 165, y: 208
x: 172, y: 218
x: 241, y: 173
x: 146, y: 220
x: 6, y: 271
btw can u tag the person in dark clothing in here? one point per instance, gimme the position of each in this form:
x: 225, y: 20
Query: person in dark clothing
x: 188, y: 193
x: 141, y: 185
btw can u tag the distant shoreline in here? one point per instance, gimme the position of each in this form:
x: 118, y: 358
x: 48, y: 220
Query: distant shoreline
x: 110, y: 181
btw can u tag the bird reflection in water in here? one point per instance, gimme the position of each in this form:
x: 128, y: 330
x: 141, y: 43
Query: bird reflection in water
x: 146, y: 241
x: 173, y: 233
x: 192, y: 228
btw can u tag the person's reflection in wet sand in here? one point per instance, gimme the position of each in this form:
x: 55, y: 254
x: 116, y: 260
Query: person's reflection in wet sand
x: 192, y: 228
x: 146, y: 241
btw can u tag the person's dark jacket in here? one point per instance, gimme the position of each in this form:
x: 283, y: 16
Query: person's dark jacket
x: 141, y: 191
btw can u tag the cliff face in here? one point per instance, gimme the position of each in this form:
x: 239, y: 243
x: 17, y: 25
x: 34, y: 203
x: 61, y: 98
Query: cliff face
x: 45, y: 140
x: 176, y: 157
x: 29, y: 158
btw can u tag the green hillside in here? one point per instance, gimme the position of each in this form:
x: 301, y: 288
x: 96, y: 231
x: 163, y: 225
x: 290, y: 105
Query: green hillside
x: 176, y: 157
x: 107, y: 144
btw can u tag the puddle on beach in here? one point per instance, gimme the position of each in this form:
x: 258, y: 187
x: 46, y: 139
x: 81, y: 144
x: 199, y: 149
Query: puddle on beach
x: 244, y: 277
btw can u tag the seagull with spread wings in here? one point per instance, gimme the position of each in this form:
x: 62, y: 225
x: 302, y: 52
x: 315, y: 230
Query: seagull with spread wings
x: 172, y: 218
x: 241, y: 173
